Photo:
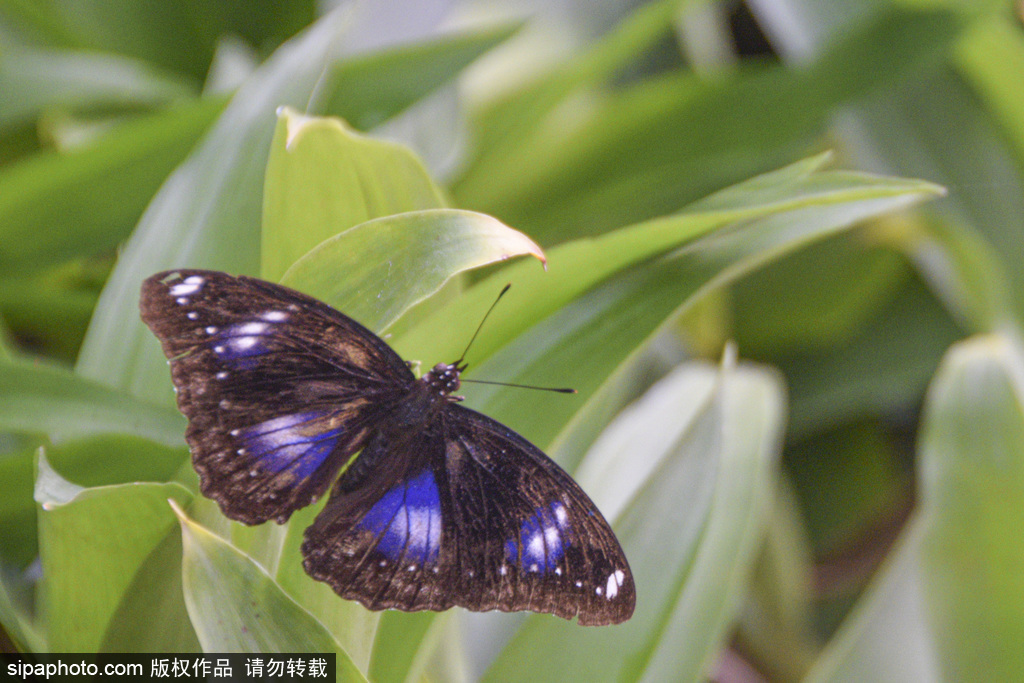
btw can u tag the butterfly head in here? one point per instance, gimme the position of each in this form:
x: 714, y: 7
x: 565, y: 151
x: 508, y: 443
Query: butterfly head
x: 444, y: 378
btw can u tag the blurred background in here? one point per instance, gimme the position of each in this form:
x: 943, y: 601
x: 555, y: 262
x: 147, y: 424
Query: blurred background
x: 890, y: 551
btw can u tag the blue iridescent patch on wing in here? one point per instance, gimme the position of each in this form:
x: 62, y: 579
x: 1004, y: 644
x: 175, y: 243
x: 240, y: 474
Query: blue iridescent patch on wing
x: 290, y: 442
x: 239, y: 344
x: 543, y: 538
x: 407, y: 521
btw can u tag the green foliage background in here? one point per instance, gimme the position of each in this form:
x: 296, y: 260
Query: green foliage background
x: 801, y: 390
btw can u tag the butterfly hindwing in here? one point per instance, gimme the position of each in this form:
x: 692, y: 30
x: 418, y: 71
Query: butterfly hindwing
x: 379, y: 538
x: 278, y: 388
x: 477, y: 517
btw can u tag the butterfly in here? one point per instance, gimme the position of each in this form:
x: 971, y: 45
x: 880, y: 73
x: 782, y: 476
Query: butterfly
x: 436, y: 505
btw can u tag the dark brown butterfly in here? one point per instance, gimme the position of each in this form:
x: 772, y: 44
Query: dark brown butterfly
x: 436, y: 505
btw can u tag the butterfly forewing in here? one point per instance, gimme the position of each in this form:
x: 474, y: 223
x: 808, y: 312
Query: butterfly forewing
x: 279, y: 389
x: 481, y: 519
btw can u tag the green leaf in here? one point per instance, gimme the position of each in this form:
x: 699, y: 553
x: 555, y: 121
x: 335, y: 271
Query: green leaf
x: 641, y: 151
x: 687, y: 474
x: 353, y: 626
x: 887, y: 636
x: 51, y: 308
x: 34, y: 80
x: 323, y: 179
x: 367, y: 90
x: 103, y: 188
x: 946, y: 605
x: 410, y: 256
x: 401, y: 642
x: 991, y: 57
x: 41, y: 398
x: 776, y: 313
x: 18, y: 525
x: 236, y: 607
x: 98, y: 460
x: 554, y: 324
x: 102, y: 538
x: 180, y: 36
x: 207, y: 214
x: 972, y: 484
x: 885, y: 367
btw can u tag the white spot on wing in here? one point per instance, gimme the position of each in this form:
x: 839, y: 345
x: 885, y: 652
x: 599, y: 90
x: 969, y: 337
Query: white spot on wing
x: 275, y: 316
x: 250, y: 328
x: 189, y: 285
x: 561, y: 516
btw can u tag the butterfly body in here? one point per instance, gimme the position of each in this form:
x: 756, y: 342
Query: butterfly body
x: 442, y: 506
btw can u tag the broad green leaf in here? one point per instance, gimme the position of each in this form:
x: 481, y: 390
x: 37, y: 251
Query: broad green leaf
x: 946, y: 604
x: 797, y: 190
x: 368, y: 90
x: 35, y: 80
x: 686, y: 473
x: 98, y: 460
x: 777, y: 313
x: 505, y: 123
x: 51, y: 307
x: 236, y: 607
x: 322, y: 179
x: 205, y: 215
x: 101, y: 538
x: 353, y: 626
x: 395, y: 660
x: 885, y: 367
x: 179, y: 36
x: 605, y: 325
x: 409, y: 255
x: 16, y: 613
x: 44, y: 398
x: 18, y: 525
x: 208, y: 212
x: 886, y: 637
x: 906, y: 130
x: 991, y: 57
x: 972, y: 484
x: 645, y: 150
x: 103, y: 188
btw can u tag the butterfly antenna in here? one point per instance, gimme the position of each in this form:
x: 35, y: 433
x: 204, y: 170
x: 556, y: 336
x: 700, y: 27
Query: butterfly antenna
x: 478, y: 327
x: 561, y: 390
